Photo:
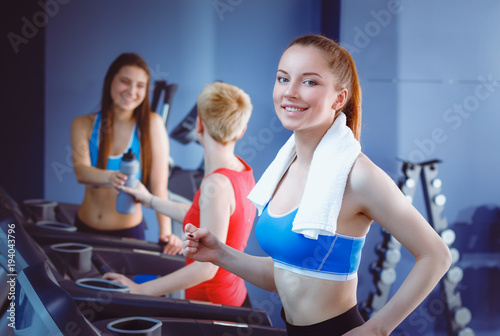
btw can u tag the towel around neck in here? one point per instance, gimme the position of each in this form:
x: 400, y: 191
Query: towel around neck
x: 331, y: 164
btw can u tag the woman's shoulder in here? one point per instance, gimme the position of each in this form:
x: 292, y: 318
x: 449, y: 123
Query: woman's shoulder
x: 215, y: 181
x: 370, y: 185
x: 156, y: 122
x: 84, y: 122
x: 216, y: 187
x: 155, y: 118
x: 364, y: 173
x: 362, y: 165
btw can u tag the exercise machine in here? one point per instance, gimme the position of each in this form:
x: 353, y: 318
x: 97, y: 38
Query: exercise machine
x: 100, y: 299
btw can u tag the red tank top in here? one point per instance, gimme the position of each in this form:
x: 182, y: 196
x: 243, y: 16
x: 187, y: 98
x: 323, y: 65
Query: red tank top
x: 225, y: 287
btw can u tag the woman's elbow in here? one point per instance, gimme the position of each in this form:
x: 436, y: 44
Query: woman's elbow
x: 82, y: 175
x: 213, y: 271
x: 209, y: 271
x: 80, y: 180
x: 79, y: 175
x: 443, y: 257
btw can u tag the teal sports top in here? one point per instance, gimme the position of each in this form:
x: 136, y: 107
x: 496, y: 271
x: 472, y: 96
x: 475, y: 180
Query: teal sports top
x: 334, y: 257
x: 113, y: 160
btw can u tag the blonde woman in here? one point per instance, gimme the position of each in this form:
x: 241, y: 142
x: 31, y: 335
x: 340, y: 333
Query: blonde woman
x: 220, y: 205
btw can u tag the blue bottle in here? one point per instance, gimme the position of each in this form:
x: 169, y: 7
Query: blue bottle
x: 125, y: 203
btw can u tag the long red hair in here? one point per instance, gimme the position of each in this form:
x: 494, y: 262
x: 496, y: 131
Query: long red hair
x: 343, y: 67
x: 141, y: 115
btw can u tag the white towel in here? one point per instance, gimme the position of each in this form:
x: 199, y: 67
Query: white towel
x: 330, y: 167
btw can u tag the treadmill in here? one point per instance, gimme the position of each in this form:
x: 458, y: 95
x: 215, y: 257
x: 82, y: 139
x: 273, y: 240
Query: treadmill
x: 102, y: 299
x: 45, y: 308
x: 48, y: 302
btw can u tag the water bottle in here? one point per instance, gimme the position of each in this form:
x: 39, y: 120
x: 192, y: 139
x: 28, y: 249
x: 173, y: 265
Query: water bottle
x: 125, y: 203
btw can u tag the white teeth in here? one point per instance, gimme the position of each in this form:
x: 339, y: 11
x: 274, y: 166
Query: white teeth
x: 293, y: 109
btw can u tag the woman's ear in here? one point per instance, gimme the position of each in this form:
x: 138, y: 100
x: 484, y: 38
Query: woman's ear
x: 340, y: 100
x: 242, y: 132
x: 199, y: 125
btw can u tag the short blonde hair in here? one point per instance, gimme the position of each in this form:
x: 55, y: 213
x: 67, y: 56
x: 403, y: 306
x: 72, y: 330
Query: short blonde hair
x: 225, y: 110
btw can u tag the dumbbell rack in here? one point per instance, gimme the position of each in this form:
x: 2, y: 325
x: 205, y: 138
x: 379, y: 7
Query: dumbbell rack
x: 389, y: 250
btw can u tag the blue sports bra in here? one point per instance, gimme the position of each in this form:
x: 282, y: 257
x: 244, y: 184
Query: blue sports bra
x: 329, y: 257
x: 113, y: 160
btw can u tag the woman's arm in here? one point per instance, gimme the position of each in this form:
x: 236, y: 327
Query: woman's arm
x: 259, y: 271
x: 81, y: 130
x: 188, y: 276
x: 160, y: 152
x: 209, y: 242
x: 382, y: 201
x: 174, y: 210
x: 216, y: 205
x: 202, y: 245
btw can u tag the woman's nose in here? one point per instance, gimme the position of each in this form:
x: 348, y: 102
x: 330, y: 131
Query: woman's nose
x: 291, y: 91
x: 132, y: 90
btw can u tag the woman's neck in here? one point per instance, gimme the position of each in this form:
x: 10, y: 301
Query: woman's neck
x: 218, y: 156
x: 306, y: 142
x: 121, y: 115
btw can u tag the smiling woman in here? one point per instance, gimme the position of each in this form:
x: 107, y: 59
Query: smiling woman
x: 317, y: 79
x: 305, y: 90
x: 99, y: 141
x: 317, y: 201
x: 128, y: 88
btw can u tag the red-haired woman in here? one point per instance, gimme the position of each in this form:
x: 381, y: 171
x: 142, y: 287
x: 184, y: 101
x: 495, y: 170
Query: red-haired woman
x: 317, y: 201
x: 99, y: 141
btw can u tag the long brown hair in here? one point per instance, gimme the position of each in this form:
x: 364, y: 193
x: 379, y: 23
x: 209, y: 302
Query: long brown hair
x: 343, y: 67
x: 141, y: 115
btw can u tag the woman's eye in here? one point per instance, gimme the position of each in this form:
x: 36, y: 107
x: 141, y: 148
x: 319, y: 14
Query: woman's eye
x: 310, y: 82
x: 282, y: 79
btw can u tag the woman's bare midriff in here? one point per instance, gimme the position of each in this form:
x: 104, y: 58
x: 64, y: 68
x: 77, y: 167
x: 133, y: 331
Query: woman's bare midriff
x: 98, y: 210
x: 311, y: 300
